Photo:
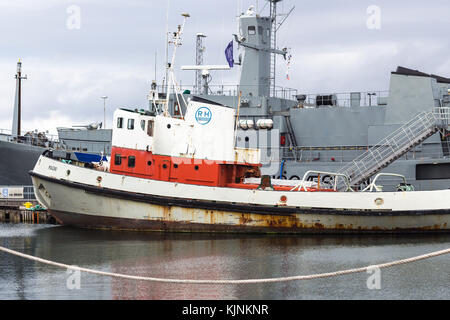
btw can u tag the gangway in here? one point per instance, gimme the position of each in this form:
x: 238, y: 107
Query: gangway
x: 395, y: 145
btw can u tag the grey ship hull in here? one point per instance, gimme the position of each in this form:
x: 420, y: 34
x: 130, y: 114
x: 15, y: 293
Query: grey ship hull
x: 15, y: 161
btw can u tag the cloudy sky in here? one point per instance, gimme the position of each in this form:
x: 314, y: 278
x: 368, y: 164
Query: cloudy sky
x: 113, y: 51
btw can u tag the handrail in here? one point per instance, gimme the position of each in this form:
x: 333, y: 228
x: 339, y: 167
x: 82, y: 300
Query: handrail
x: 373, y: 185
x: 335, y: 174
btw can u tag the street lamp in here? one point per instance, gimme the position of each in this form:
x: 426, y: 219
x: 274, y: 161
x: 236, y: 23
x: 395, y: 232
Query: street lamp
x: 104, y: 110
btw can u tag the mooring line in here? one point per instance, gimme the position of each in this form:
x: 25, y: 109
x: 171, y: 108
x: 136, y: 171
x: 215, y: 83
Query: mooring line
x: 246, y: 281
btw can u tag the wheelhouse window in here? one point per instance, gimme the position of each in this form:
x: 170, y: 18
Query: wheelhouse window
x: 150, y: 128
x: 143, y: 125
x: 117, y: 159
x: 130, y: 124
x: 260, y: 30
x: 120, y: 123
x: 131, y: 161
x: 251, y: 30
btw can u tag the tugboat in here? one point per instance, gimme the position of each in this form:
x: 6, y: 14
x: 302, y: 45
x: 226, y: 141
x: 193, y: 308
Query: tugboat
x: 184, y: 173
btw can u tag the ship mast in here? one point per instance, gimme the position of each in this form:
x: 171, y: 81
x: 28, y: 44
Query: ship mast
x: 273, y: 44
x: 18, y: 102
x: 199, y: 50
x: 171, y: 80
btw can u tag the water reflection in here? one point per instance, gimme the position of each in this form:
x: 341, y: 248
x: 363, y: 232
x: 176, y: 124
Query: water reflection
x: 215, y: 256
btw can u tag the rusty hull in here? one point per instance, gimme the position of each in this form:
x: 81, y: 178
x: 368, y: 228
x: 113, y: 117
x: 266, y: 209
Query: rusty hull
x: 199, y: 220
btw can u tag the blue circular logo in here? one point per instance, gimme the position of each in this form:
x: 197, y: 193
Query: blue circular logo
x: 203, y: 115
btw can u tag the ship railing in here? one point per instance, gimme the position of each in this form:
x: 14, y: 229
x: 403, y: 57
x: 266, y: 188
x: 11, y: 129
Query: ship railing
x: 231, y: 90
x: 334, y: 175
x: 348, y: 153
x: 310, y: 100
x: 31, y: 135
x: 345, y: 99
x: 5, y: 131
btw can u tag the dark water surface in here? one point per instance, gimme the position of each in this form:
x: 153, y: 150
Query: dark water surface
x: 209, y: 256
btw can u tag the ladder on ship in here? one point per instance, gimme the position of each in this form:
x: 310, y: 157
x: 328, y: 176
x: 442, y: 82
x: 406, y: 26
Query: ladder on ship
x: 395, y: 145
x: 291, y: 134
x: 273, y: 44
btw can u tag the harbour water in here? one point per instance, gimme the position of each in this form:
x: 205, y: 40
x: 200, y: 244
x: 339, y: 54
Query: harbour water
x: 216, y: 256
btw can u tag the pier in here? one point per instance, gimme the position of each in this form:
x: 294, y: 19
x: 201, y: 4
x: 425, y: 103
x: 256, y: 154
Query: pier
x: 21, y: 206
x: 15, y: 211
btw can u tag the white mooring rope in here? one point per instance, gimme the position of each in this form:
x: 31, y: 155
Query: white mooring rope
x: 247, y: 281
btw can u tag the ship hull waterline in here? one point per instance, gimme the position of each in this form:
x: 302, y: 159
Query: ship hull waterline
x: 86, y: 206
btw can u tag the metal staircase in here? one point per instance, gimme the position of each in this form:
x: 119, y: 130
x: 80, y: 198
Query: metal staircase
x: 395, y: 145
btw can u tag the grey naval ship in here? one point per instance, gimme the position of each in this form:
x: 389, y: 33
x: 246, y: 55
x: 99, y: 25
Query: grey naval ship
x: 355, y: 133
x: 20, y: 150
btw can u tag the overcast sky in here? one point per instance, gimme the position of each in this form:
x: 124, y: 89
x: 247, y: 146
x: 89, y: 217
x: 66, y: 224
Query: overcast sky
x: 113, y: 51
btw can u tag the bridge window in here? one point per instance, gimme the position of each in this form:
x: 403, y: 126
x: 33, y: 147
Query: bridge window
x: 251, y: 30
x: 143, y: 125
x: 120, y: 123
x: 131, y: 161
x: 131, y: 124
x: 260, y: 30
x: 117, y: 159
x: 150, y: 128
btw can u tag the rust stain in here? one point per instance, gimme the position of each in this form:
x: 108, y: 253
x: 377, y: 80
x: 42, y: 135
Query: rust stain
x: 318, y: 226
x: 216, y: 219
x: 244, y: 219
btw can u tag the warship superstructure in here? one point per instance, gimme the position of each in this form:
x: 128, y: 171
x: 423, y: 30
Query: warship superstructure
x: 300, y: 132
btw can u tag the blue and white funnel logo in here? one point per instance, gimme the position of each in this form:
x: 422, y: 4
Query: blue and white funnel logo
x: 203, y: 115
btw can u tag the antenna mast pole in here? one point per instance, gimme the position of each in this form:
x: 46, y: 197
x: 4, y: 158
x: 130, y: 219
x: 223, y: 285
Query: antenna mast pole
x: 176, y: 43
x: 273, y: 43
x: 199, y: 61
x: 167, y: 49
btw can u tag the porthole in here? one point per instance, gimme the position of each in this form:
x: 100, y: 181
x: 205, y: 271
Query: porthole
x: 168, y: 126
x: 196, y: 167
x: 149, y: 163
x: 175, y: 166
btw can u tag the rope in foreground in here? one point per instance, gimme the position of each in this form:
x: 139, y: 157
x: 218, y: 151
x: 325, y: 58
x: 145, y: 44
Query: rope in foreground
x: 247, y: 281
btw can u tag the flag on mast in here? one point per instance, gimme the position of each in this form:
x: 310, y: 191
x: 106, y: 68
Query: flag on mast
x: 229, y: 54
